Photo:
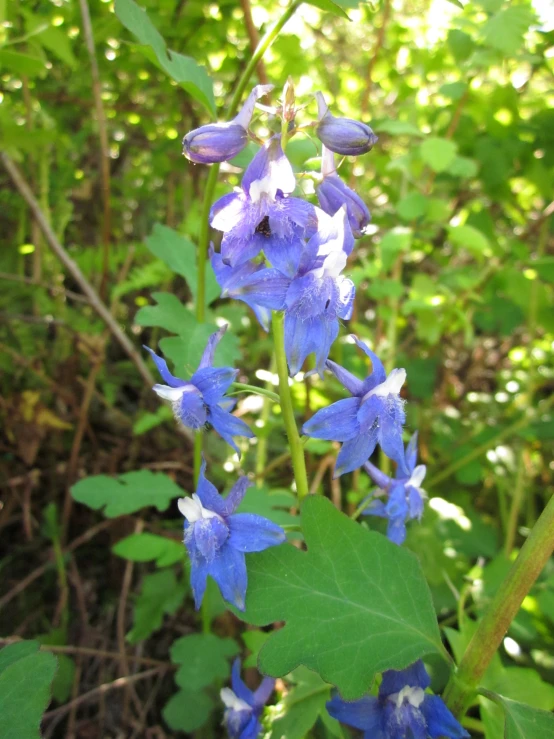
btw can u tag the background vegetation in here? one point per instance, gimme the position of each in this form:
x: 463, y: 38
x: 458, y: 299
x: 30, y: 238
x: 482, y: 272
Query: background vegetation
x: 455, y: 283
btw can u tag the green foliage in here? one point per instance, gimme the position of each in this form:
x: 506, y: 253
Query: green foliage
x: 187, y: 710
x: 127, y: 493
x: 26, y: 675
x: 203, y: 659
x: 146, y: 547
x: 184, y: 70
x: 161, y: 594
x: 349, y: 575
x: 303, y: 705
x: 522, y: 721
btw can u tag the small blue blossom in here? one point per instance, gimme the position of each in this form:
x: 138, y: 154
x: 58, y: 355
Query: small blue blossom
x: 313, y: 299
x: 199, y: 401
x: 402, y: 710
x: 342, y: 135
x: 218, y: 142
x: 333, y: 194
x: 262, y: 216
x: 405, y: 495
x: 217, y: 538
x: 374, y: 415
x: 243, y: 707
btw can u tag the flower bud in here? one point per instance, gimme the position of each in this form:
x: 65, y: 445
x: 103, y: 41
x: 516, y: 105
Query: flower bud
x: 333, y: 194
x: 342, y: 135
x: 218, y: 142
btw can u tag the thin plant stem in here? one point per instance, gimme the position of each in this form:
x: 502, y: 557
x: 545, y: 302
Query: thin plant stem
x: 242, y: 387
x: 517, y: 500
x: 261, y: 449
x: 295, y: 445
x: 197, y: 456
x: 506, y: 603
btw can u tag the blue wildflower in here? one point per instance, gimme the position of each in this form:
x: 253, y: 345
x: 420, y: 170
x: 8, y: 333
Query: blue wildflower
x: 342, y: 135
x: 216, y: 539
x: 405, y: 495
x: 244, y: 706
x: 199, y: 401
x: 313, y: 299
x: 402, y: 710
x: 375, y: 414
x: 333, y: 193
x: 218, y: 142
x: 261, y: 216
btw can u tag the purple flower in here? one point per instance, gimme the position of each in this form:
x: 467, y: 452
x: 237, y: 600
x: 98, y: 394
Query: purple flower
x: 243, y: 707
x: 199, y: 401
x: 313, y: 299
x: 402, y: 709
x: 405, y: 495
x: 216, y: 539
x: 342, y: 135
x: 333, y: 194
x: 261, y: 216
x: 375, y: 414
x: 218, y: 142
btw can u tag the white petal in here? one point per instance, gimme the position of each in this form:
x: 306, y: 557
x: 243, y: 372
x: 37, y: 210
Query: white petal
x: 418, y: 475
x: 231, y: 701
x: 392, y: 384
x: 191, y: 509
x: 169, y: 393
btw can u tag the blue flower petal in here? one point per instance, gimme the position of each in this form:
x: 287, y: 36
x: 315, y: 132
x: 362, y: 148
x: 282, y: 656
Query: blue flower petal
x: 394, y: 680
x: 191, y: 409
x: 355, y: 452
x: 415, y: 502
x: 440, y: 721
x: 304, y: 337
x: 377, y: 507
x: 266, y: 287
x: 239, y: 688
x: 213, y: 382
x: 368, y: 413
x: 390, y: 438
x: 378, y: 477
x: 198, y: 579
x: 241, y: 245
x: 208, y: 355
x: 207, y: 492
x: 378, y: 374
x: 263, y: 691
x: 337, y: 422
x: 284, y: 252
x: 396, y: 530
x: 228, y: 212
x: 270, y: 167
x: 346, y: 378
x: 229, y: 571
x: 162, y: 368
x: 364, y: 714
x: 252, y: 533
x: 411, y: 453
x: 209, y: 536
x: 228, y: 425
x: 236, y: 494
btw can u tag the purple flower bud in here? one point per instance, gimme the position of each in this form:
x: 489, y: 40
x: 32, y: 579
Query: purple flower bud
x: 342, y: 135
x: 333, y: 193
x: 218, y: 142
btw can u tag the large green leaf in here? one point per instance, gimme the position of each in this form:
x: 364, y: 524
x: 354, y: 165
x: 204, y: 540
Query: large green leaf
x: 184, y: 70
x: 26, y: 675
x: 179, y: 253
x: 203, y: 658
x: 505, y: 30
x: 355, y: 604
x: 272, y: 504
x: 127, y: 493
x: 187, y: 710
x: 522, y: 721
x: 18, y: 63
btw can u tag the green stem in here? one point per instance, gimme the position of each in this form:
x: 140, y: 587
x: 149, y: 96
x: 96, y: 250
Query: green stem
x: 510, y: 430
x: 197, y: 456
x: 241, y: 387
x: 261, y: 449
x: 295, y: 445
x: 515, y: 508
x: 504, y: 607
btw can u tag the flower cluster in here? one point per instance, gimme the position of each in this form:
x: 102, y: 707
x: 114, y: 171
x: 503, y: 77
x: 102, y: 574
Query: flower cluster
x: 402, y: 709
